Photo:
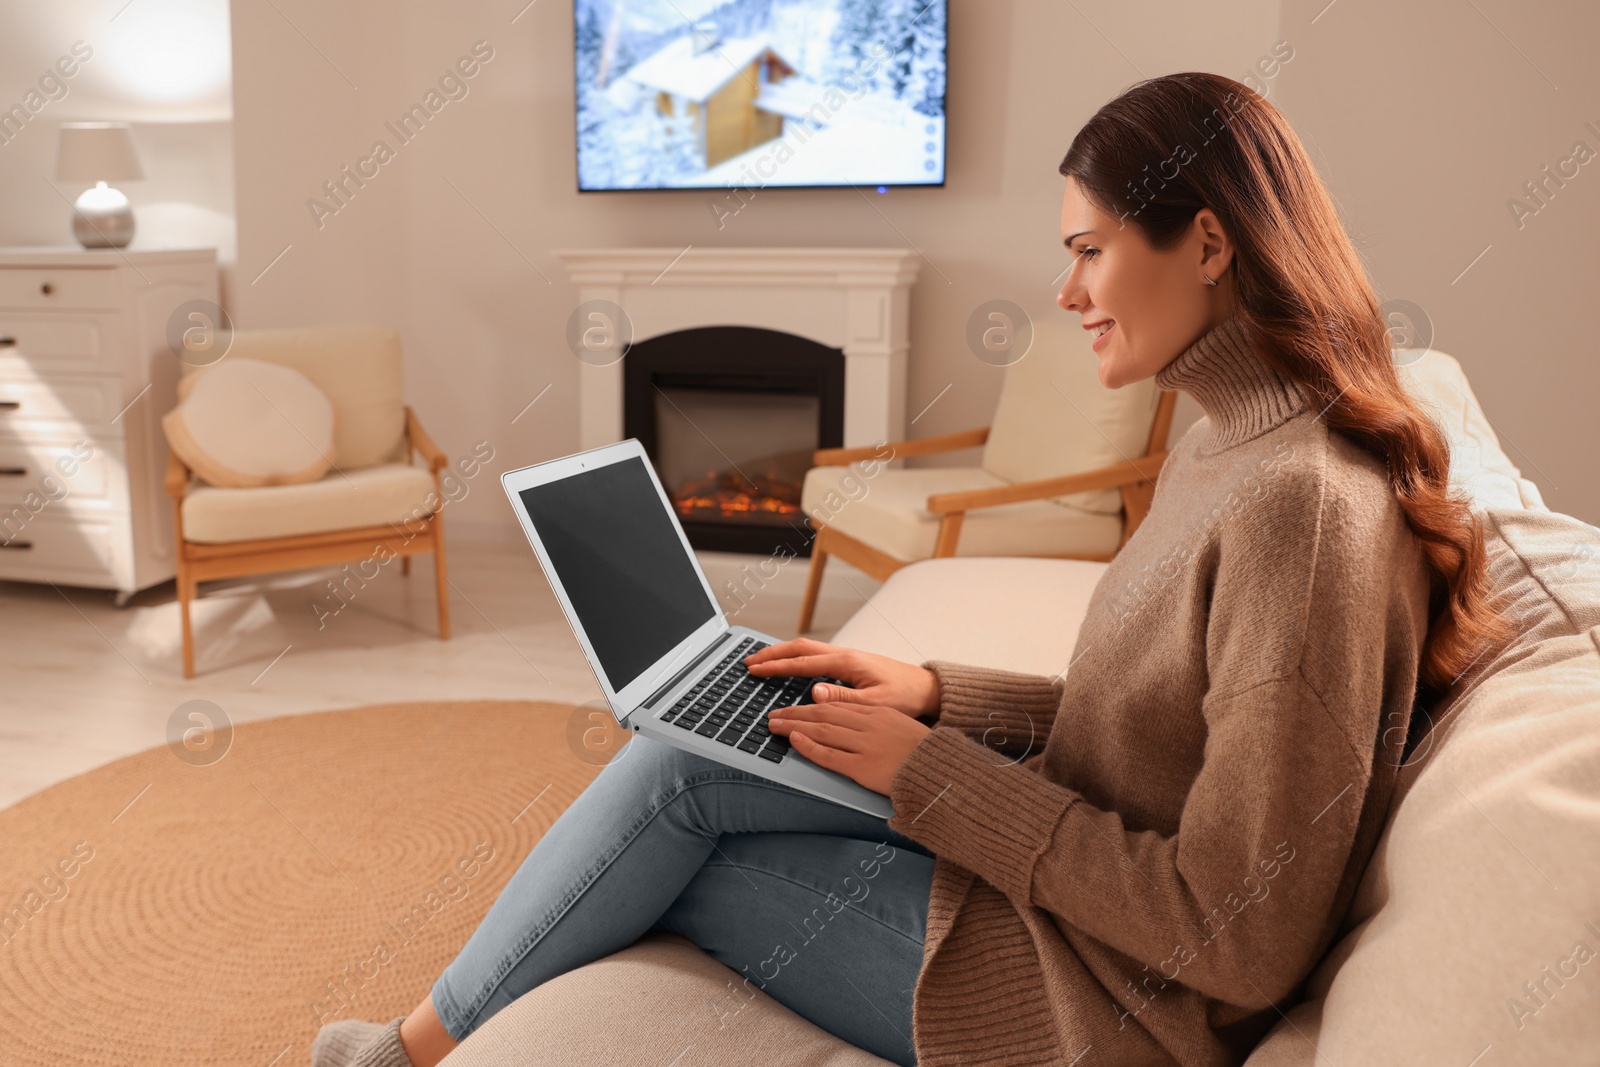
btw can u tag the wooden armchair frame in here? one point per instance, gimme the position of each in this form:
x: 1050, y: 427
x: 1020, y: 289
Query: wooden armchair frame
x: 1135, y: 478
x: 199, y: 562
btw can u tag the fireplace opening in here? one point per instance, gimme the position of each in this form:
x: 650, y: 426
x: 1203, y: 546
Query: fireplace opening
x: 730, y: 416
x: 735, y: 456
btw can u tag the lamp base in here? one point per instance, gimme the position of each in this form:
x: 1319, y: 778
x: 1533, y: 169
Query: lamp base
x: 102, y: 218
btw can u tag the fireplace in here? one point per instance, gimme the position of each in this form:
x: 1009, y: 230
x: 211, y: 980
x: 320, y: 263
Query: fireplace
x: 730, y: 416
x: 857, y: 300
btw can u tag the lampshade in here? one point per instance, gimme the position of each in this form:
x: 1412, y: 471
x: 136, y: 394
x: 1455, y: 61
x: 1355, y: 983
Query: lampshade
x: 97, y: 152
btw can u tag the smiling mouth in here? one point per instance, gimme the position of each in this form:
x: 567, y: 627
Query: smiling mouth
x: 1101, y: 331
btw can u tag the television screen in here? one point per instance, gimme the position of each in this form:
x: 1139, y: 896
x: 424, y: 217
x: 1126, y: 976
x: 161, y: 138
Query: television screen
x: 729, y: 94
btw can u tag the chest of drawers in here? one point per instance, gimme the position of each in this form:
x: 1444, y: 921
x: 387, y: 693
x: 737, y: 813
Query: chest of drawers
x: 86, y: 372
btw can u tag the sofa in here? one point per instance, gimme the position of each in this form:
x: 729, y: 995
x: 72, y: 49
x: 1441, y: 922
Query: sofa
x: 1474, y: 934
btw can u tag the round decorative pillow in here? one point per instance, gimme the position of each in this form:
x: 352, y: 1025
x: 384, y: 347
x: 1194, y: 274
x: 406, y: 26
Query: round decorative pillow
x: 245, y: 423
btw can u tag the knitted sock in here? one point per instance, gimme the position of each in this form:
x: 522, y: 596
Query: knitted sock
x: 353, y: 1043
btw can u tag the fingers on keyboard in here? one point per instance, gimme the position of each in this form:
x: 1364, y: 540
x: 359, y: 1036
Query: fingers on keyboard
x: 731, y: 705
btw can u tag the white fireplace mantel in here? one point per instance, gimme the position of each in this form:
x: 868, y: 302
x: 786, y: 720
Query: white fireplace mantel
x: 854, y: 299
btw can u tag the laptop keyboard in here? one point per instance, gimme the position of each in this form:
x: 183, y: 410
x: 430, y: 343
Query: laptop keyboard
x: 731, y: 705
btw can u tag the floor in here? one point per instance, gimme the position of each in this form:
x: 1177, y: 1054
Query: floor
x: 87, y: 682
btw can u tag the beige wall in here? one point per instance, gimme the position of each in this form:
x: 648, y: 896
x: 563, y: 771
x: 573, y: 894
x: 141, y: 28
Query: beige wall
x: 164, y: 67
x: 1424, y: 124
x: 484, y: 331
x: 1426, y: 118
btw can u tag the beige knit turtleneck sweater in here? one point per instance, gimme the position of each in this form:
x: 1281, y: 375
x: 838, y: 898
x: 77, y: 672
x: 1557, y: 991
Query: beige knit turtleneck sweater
x: 1139, y: 862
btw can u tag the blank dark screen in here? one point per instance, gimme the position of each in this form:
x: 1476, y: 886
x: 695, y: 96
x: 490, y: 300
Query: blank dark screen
x: 616, y: 551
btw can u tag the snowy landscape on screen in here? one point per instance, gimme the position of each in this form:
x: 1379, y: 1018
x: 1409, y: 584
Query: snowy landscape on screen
x: 727, y: 94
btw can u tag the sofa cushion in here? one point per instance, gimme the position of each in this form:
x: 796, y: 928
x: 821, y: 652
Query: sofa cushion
x: 890, y: 514
x: 247, y: 423
x: 1055, y: 418
x: 359, y: 367
x: 1486, y: 882
x: 659, y: 1001
x: 348, y: 500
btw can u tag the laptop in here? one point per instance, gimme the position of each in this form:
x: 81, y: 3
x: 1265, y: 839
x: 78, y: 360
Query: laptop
x: 669, y: 662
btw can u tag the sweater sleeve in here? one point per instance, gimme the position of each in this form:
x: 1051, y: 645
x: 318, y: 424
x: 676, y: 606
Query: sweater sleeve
x: 1006, y: 711
x: 1238, y: 902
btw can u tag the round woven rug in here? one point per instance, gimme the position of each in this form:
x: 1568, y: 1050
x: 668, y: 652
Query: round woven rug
x: 172, y: 909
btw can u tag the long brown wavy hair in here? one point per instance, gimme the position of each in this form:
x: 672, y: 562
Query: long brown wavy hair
x: 1168, y: 147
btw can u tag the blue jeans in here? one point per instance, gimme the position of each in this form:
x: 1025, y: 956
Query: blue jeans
x: 822, y: 907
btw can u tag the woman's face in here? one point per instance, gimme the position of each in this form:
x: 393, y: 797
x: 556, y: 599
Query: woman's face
x: 1157, y: 303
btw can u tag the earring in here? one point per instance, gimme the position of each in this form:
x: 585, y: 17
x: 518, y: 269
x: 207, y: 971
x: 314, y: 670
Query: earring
x: 1209, y: 279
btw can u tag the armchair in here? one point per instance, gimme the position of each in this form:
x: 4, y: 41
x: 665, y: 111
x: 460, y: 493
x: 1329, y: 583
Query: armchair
x: 374, y: 506
x: 1068, y: 472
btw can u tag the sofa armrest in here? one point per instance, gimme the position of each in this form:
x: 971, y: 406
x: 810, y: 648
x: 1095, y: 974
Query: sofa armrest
x: 1014, y: 613
x: 677, y: 996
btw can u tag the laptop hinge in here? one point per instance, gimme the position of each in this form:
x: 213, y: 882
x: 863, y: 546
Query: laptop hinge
x: 676, y: 678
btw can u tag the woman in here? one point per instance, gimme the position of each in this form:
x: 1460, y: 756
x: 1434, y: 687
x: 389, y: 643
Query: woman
x: 1138, y: 861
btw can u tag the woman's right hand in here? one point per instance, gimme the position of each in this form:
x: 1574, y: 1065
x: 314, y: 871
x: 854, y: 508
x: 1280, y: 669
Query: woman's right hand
x: 873, y: 679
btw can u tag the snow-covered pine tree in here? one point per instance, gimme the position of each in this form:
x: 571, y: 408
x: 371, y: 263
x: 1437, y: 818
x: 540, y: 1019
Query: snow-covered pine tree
x: 743, y: 18
x: 861, y: 24
x: 898, y: 38
x: 929, y: 31
x: 594, y: 149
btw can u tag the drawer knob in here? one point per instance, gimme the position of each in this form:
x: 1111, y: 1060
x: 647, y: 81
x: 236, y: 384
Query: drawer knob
x: 10, y: 405
x: 47, y: 288
x: 20, y: 545
x: 8, y: 342
x: 13, y: 472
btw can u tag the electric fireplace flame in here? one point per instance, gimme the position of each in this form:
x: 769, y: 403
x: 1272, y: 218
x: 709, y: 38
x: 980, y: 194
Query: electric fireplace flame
x: 731, y: 496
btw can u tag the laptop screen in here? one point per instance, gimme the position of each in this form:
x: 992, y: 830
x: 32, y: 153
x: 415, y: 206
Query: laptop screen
x: 616, y: 551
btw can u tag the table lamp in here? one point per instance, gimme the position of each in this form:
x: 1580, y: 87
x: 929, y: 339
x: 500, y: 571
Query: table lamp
x: 99, y: 152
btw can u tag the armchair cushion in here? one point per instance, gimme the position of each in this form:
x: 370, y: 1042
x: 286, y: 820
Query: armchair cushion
x: 372, y: 496
x: 890, y: 514
x: 358, y: 367
x: 1055, y: 418
x: 248, y: 423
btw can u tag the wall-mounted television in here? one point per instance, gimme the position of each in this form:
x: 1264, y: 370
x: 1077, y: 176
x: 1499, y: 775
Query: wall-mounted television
x: 720, y: 94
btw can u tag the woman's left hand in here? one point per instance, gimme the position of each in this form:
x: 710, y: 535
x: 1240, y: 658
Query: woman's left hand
x: 867, y: 742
